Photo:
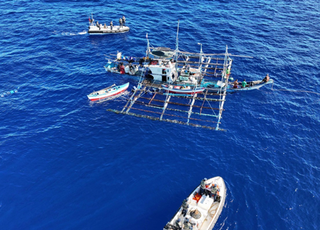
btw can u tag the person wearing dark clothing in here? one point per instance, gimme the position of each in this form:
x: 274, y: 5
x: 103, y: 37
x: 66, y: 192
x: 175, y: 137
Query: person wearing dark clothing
x: 185, y: 207
x: 111, y: 25
x: 203, y: 186
x: 213, y: 191
x: 266, y: 79
x: 120, y: 22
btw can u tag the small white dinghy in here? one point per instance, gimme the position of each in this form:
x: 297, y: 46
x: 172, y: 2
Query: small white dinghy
x: 107, y: 92
x: 201, y: 210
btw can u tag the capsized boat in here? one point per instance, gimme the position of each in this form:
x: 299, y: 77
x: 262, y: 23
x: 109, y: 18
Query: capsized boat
x: 183, y: 89
x: 201, y: 210
x: 99, y: 29
x: 107, y: 92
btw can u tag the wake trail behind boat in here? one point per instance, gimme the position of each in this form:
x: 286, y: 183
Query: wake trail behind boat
x: 71, y: 33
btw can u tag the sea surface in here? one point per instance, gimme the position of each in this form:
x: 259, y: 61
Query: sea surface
x: 67, y: 163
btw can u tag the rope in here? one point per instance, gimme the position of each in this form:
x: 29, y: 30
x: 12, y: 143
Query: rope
x: 293, y: 90
x: 211, y: 107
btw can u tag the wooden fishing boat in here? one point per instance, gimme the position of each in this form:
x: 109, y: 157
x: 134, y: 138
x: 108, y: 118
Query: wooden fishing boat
x: 201, y: 210
x: 189, y: 81
x: 252, y: 85
x: 107, y: 92
x: 182, y: 89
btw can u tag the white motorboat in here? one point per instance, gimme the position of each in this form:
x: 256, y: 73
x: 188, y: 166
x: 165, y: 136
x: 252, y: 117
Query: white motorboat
x: 201, y: 210
x: 99, y: 29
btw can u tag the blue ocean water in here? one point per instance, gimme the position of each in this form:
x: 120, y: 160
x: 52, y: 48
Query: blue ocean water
x: 66, y: 163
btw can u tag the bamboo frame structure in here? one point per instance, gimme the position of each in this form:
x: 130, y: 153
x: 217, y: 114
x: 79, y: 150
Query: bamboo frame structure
x: 184, y: 104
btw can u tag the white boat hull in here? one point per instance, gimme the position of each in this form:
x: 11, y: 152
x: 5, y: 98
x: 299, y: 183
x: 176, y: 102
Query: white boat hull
x: 208, y: 208
x: 182, y: 90
x: 95, y: 30
x: 107, y: 92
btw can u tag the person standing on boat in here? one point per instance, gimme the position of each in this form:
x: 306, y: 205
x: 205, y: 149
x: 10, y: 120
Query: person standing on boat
x: 124, y: 20
x: 120, y: 22
x: 244, y: 83
x: 266, y: 79
x: 213, y: 191
x: 187, y: 225
x: 185, y: 207
x: 203, y: 186
x: 111, y: 24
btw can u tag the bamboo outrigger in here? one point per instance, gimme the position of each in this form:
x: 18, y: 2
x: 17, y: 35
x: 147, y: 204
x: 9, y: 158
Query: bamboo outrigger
x: 170, y: 103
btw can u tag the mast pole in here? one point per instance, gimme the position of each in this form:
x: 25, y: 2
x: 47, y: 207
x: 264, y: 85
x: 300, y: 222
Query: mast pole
x: 177, y: 42
x: 200, y: 58
x: 148, y: 45
x: 223, y: 89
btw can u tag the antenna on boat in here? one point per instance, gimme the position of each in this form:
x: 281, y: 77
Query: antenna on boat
x: 200, y: 58
x: 177, y: 42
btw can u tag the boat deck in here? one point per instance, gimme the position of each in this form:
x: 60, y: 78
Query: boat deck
x: 201, y: 212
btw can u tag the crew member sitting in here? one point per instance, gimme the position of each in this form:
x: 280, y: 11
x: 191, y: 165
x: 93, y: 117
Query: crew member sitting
x: 266, y: 79
x: 122, y: 71
x: 235, y: 84
x: 244, y: 83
